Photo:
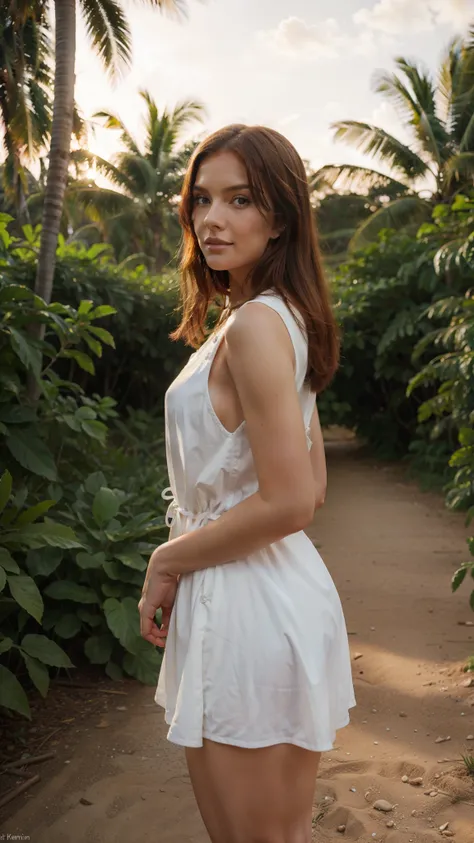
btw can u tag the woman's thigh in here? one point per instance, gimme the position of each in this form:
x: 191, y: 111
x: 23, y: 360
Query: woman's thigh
x: 254, y: 795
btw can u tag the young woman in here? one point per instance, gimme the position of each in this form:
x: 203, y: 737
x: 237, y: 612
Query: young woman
x: 256, y: 675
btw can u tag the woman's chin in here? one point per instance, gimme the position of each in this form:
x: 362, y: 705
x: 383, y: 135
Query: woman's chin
x: 218, y: 263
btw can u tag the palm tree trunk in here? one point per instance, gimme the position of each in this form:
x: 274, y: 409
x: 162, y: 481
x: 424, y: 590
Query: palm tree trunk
x: 65, y: 53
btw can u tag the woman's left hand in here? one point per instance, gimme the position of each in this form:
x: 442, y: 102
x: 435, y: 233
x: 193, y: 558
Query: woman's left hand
x: 159, y: 592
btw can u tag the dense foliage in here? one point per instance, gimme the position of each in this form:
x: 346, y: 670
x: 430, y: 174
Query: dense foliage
x: 406, y: 384
x: 80, y: 505
x: 82, y: 452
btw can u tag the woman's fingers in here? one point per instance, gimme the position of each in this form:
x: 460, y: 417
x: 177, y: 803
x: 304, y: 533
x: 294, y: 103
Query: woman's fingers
x: 154, y: 635
x: 149, y: 629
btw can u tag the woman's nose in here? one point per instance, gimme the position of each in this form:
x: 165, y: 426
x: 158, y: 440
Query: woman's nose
x: 214, y: 216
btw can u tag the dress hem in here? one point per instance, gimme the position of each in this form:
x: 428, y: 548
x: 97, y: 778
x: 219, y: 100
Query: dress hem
x: 259, y: 744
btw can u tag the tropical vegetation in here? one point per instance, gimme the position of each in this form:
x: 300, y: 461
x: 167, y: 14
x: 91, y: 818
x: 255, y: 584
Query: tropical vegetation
x: 88, y: 298
x: 438, y: 114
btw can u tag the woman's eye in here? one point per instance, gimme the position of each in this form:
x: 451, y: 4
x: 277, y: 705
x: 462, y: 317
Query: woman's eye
x: 242, y: 201
x: 197, y: 200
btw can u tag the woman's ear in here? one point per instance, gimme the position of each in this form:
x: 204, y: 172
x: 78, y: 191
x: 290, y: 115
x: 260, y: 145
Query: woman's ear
x: 277, y: 232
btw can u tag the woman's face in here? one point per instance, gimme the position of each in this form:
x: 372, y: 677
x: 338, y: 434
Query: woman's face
x: 232, y: 233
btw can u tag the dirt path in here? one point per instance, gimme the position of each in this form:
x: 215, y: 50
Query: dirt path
x: 391, y: 551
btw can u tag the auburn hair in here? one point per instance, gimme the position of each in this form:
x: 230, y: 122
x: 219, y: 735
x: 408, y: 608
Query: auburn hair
x: 291, y: 264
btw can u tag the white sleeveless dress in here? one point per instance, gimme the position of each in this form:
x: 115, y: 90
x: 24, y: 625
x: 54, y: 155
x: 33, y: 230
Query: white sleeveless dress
x: 257, y: 651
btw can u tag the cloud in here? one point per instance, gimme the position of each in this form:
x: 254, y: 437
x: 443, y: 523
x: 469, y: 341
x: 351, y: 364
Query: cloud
x: 294, y: 36
x: 325, y: 39
x: 393, y: 17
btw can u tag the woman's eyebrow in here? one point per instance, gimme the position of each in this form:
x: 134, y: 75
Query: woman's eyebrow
x: 226, y: 189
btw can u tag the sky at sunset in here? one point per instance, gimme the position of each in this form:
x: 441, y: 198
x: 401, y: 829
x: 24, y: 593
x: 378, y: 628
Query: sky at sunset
x: 294, y: 65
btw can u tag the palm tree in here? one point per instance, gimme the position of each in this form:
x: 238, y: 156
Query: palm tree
x: 109, y: 33
x: 140, y: 215
x: 439, y: 161
x: 25, y: 106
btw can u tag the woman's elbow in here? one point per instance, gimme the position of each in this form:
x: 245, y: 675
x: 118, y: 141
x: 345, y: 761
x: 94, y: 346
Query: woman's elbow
x: 319, y: 497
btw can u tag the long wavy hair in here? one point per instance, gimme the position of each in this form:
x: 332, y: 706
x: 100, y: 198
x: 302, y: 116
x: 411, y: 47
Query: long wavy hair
x: 291, y: 264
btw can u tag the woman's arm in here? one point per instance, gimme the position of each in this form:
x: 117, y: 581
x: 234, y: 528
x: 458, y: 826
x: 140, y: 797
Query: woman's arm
x: 318, y: 460
x: 260, y: 357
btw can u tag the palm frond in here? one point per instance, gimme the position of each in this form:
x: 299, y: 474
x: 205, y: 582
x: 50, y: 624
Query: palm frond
x: 371, y: 140
x: 185, y: 112
x: 460, y: 168
x: 350, y: 176
x: 109, y: 32
x: 42, y: 112
x: 140, y: 175
x: 106, y: 168
x: 448, y: 79
x: 174, y: 8
x: 467, y: 140
x: 433, y: 135
x: 463, y: 89
x: 163, y: 129
x: 424, y: 92
x: 392, y: 87
x: 114, y: 122
x: 89, y: 234
x: 407, y: 210
x: 99, y: 203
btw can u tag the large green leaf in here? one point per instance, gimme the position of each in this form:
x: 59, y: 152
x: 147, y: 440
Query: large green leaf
x: 7, y: 562
x: 39, y: 674
x: 89, y: 616
x: 68, y: 626
x: 17, y: 414
x: 12, y: 694
x: 114, y: 671
x: 15, y: 292
x: 88, y: 560
x: 98, y: 648
x: 33, y: 513
x: 112, y: 589
x: 123, y: 620
x: 3, y: 579
x: 105, y: 506
x: 94, y: 482
x: 68, y: 590
x: 45, y: 650
x: 95, y: 429
x: 29, y: 355
x: 45, y: 561
x: 113, y: 570
x: 45, y: 533
x: 27, y: 595
x: 83, y: 360
x: 144, y: 663
x: 103, y: 310
x: 103, y: 335
x: 32, y: 453
x: 132, y: 559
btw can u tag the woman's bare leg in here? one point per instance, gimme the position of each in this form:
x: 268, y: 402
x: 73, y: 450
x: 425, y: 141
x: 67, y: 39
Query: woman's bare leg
x: 207, y: 800
x: 254, y: 795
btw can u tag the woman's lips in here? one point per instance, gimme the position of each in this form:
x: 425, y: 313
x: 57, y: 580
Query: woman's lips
x: 217, y: 247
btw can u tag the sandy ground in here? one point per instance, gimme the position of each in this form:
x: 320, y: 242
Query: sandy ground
x: 391, y: 551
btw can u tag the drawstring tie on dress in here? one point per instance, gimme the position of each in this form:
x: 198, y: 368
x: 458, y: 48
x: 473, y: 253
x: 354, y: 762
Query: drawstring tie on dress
x: 174, y: 510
